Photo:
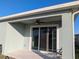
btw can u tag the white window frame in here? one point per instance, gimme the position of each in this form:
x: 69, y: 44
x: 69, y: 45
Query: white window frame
x: 52, y: 25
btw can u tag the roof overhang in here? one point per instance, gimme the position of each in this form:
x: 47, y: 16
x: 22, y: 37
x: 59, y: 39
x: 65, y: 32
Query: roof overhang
x: 65, y: 6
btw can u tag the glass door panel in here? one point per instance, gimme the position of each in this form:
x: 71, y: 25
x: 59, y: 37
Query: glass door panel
x: 43, y: 38
x: 50, y: 39
x: 54, y: 35
x: 35, y: 36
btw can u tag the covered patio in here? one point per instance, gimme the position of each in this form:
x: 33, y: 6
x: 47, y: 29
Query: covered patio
x: 47, y: 47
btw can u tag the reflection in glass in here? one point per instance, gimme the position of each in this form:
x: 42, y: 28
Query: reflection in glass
x: 35, y: 38
x: 43, y: 37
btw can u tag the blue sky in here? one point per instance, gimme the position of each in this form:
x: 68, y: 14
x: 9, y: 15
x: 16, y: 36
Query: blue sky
x: 8, y: 7
x: 77, y: 25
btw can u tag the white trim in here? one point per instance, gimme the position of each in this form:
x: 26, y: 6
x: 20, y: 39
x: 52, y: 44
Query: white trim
x: 52, y: 25
x: 77, y: 12
x: 30, y: 44
x: 37, y: 17
x: 47, y: 41
x: 46, y: 25
x: 73, y: 18
x: 58, y: 47
x: 39, y: 40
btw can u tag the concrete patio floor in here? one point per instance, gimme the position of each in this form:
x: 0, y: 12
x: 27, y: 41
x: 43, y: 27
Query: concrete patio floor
x: 23, y: 54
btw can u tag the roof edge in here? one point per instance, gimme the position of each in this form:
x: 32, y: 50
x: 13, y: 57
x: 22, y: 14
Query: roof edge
x: 45, y: 9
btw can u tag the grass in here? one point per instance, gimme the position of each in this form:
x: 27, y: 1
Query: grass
x: 2, y: 56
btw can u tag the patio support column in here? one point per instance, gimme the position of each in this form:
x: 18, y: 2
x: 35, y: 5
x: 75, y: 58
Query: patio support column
x: 67, y: 36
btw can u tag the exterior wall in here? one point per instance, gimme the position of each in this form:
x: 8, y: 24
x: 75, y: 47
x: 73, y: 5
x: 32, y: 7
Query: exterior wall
x: 67, y: 36
x: 2, y: 35
x: 14, y: 39
x: 2, y: 32
x: 27, y: 38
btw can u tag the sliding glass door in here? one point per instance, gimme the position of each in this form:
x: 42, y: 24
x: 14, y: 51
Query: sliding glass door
x: 44, y: 38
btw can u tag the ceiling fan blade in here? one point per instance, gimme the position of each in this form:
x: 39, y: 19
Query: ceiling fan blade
x: 38, y: 21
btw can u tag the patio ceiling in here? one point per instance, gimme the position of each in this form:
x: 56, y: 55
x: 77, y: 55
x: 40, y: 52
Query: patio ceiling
x: 45, y: 20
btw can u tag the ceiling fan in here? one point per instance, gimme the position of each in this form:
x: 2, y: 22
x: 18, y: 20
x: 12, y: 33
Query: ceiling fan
x: 39, y: 22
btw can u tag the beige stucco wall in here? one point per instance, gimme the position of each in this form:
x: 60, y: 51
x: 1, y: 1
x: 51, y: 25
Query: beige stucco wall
x: 27, y: 38
x: 67, y: 36
x: 2, y: 32
x: 3, y: 35
x: 14, y: 39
